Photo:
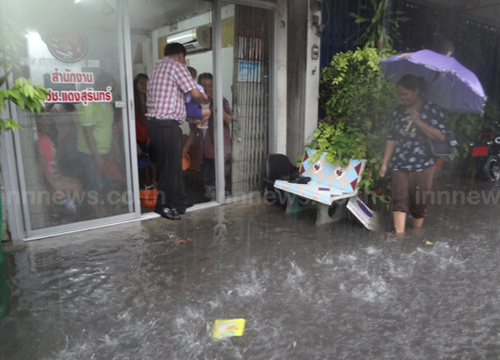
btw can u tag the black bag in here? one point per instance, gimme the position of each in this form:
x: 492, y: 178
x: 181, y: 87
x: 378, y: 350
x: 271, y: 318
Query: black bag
x: 445, y: 147
x: 296, y: 178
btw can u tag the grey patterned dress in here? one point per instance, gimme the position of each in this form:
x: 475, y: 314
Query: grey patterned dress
x: 412, y: 151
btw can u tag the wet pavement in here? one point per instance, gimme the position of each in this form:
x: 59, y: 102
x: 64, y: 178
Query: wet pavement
x: 146, y: 291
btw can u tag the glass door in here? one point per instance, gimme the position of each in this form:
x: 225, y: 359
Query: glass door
x: 238, y: 125
x: 73, y: 160
x: 190, y: 24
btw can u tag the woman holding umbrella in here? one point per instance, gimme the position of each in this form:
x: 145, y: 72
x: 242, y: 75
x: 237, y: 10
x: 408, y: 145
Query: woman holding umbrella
x: 452, y: 87
x: 407, y: 147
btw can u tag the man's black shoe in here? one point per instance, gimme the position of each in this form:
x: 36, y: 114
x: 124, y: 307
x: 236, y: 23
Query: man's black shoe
x: 167, y: 213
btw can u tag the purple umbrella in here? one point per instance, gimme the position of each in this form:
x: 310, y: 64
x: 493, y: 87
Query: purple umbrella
x: 449, y: 84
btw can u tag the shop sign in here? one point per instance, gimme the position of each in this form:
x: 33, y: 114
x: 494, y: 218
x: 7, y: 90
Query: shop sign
x: 72, y: 96
x: 66, y: 44
x: 84, y: 96
x: 69, y: 77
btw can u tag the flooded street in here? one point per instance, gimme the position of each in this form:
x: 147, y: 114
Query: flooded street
x: 146, y: 291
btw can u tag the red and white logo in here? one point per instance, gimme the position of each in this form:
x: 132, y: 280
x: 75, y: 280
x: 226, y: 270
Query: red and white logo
x: 67, y: 44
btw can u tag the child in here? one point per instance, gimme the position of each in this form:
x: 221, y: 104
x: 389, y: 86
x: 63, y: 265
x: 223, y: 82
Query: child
x: 192, y: 108
x: 65, y: 188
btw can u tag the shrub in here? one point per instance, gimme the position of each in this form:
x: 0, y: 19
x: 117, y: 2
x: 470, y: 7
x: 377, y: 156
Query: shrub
x: 358, y: 102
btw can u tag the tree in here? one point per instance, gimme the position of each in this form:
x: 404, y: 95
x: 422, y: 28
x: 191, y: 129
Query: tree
x: 381, y: 27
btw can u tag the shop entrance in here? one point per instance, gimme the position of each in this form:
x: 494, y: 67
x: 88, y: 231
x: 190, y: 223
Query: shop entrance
x: 85, y: 161
x: 239, y: 120
x: 190, y: 25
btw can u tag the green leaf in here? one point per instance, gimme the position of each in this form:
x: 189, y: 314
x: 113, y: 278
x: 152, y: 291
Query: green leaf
x: 15, y: 96
x: 20, y: 82
x: 9, y: 124
x: 31, y: 91
x: 31, y: 105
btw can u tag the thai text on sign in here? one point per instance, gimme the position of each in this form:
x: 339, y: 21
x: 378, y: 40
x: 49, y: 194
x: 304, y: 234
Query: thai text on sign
x: 69, y: 77
x: 85, y: 96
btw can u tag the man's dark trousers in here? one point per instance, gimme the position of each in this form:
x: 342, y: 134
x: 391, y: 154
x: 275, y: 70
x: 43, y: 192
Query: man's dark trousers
x: 166, y: 136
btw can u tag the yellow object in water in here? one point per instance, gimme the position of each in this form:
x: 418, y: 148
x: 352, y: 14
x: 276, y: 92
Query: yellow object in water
x: 228, y: 328
x: 428, y: 243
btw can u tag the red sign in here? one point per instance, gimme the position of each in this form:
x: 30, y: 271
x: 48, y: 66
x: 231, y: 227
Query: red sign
x: 66, y: 44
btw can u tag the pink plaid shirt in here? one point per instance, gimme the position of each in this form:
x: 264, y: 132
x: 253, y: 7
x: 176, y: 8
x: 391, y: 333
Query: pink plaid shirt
x: 166, y: 87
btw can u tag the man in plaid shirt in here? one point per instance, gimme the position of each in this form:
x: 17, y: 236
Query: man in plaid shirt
x: 166, y: 111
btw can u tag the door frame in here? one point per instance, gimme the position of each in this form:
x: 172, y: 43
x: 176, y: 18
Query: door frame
x: 221, y: 197
x: 19, y: 219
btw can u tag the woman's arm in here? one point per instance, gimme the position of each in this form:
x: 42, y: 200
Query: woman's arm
x: 227, y: 117
x: 429, y: 131
x: 227, y: 113
x: 389, y: 149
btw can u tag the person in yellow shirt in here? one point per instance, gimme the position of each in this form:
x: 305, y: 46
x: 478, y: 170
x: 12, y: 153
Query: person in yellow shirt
x: 94, y: 143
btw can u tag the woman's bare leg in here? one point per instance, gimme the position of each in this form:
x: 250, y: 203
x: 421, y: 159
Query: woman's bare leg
x: 418, y: 222
x: 399, y: 218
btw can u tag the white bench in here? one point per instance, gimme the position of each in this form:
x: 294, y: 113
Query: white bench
x: 330, y: 184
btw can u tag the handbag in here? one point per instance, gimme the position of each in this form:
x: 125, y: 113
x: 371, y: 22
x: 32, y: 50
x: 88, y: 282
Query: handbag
x: 143, y: 161
x: 445, y: 147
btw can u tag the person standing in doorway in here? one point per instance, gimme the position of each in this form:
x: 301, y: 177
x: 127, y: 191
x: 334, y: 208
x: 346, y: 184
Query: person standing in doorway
x: 167, y: 84
x: 208, y: 164
x: 97, y: 148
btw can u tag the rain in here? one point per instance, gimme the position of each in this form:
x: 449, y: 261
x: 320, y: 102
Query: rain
x: 283, y: 285
x: 140, y: 291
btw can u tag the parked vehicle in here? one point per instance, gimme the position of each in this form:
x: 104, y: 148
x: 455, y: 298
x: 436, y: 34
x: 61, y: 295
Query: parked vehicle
x: 486, y: 149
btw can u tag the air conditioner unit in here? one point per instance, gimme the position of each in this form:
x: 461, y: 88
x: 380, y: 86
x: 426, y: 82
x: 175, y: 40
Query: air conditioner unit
x: 195, y: 39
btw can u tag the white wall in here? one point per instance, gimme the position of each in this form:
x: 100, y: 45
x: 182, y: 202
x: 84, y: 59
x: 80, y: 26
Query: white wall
x: 203, y: 62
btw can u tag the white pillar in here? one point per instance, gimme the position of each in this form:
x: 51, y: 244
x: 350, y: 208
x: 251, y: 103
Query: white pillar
x: 312, y: 75
x: 280, y: 59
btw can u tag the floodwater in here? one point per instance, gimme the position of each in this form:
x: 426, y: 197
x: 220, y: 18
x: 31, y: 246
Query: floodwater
x: 139, y: 291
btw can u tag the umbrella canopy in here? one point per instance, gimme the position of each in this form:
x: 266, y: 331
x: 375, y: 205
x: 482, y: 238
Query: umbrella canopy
x: 449, y: 84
